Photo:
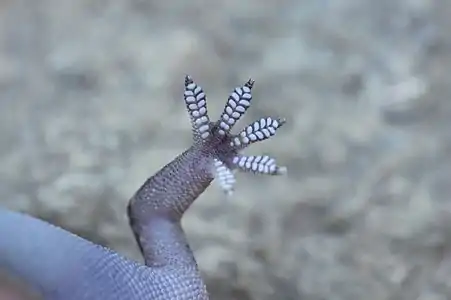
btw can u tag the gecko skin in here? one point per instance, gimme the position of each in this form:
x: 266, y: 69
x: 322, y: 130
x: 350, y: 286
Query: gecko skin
x: 62, y: 266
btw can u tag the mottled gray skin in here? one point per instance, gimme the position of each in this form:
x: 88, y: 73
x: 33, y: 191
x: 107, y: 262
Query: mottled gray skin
x: 62, y: 266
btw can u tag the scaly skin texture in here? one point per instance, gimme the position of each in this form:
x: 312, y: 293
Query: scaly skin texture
x: 60, y: 265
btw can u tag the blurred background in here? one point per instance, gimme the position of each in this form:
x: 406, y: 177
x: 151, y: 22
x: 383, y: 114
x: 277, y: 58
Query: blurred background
x: 91, y: 104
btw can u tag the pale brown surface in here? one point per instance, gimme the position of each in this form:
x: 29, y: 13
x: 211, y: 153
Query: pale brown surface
x: 91, y: 104
x: 12, y: 289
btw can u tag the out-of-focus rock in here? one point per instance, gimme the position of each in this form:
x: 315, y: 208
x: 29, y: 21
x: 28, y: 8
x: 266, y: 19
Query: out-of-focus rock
x: 12, y: 289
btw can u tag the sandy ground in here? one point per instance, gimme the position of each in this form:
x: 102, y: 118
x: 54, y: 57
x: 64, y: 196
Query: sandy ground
x: 91, y: 105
